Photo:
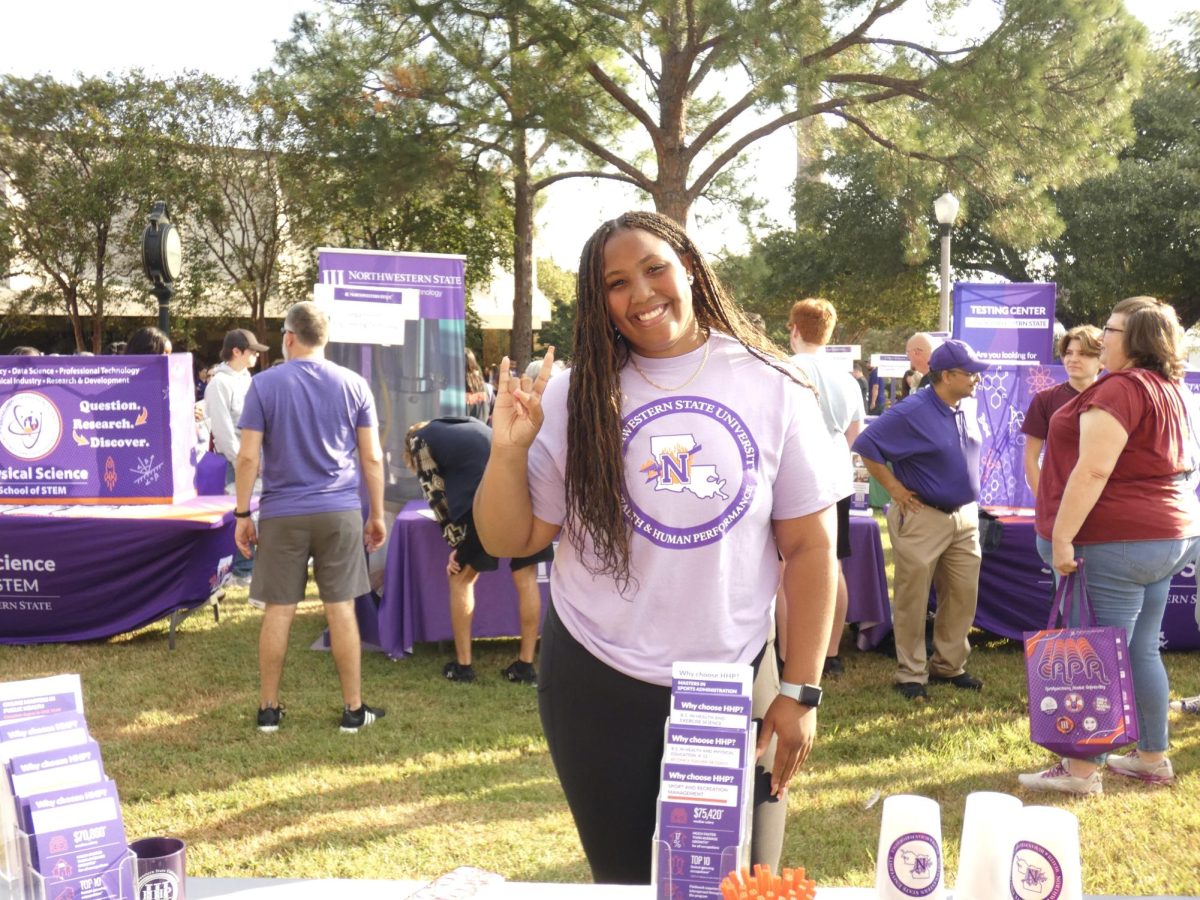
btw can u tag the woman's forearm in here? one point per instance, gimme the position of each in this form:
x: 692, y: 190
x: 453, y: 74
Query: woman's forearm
x: 503, y: 509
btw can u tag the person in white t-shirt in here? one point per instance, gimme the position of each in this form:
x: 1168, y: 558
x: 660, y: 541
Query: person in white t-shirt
x: 677, y: 457
x: 810, y: 326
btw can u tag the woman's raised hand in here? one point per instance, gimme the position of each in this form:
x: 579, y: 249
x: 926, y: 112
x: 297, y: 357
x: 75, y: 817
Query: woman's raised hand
x: 517, y: 415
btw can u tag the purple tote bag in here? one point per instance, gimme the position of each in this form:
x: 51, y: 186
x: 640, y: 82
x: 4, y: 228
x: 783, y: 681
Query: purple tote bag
x: 1080, y: 685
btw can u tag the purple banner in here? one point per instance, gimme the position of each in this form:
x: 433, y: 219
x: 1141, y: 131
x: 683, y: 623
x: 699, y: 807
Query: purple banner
x: 439, y: 277
x: 1003, y: 396
x: 1009, y: 324
x: 416, y: 369
x: 112, y: 429
x: 74, y: 574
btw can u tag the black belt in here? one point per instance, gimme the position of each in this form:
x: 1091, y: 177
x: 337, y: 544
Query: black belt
x: 948, y: 510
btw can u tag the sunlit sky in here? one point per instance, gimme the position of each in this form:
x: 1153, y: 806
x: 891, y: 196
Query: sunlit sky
x: 234, y: 38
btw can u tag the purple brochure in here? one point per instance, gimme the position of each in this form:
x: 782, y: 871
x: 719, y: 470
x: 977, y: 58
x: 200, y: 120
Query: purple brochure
x: 692, y: 815
x: 54, y: 770
x: 40, y: 697
x: 709, y: 785
x: 24, y: 736
x: 76, y: 832
x: 711, y: 711
x: 705, y: 746
x: 681, y: 686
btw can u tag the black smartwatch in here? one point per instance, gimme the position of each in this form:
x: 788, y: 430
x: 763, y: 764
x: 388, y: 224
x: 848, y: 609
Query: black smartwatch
x: 804, y: 694
x: 241, y: 515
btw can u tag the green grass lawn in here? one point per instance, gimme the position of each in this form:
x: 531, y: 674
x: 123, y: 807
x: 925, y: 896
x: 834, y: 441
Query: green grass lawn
x: 459, y: 774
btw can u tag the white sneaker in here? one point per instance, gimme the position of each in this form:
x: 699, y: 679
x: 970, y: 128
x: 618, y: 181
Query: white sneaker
x: 1133, y: 766
x: 257, y: 604
x: 1057, y: 778
x: 1187, y: 705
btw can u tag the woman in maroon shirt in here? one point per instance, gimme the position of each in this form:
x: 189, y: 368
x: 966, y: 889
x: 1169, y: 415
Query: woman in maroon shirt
x: 1079, y: 350
x: 1113, y: 492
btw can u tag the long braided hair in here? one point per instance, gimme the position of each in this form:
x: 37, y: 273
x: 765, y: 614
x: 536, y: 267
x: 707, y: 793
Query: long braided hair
x: 595, y: 480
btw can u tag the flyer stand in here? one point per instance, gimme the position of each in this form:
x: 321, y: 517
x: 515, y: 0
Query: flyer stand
x: 22, y: 881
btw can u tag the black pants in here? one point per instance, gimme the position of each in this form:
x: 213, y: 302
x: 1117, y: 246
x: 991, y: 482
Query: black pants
x: 605, y: 733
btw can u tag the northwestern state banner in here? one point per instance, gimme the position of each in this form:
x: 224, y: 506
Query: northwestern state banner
x: 96, y: 429
x: 1006, y: 324
x: 398, y: 319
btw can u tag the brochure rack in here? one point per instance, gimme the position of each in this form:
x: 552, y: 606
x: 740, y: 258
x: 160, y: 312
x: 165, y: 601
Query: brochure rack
x: 19, y: 880
x: 706, y: 797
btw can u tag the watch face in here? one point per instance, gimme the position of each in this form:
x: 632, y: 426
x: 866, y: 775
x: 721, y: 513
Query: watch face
x: 172, y: 253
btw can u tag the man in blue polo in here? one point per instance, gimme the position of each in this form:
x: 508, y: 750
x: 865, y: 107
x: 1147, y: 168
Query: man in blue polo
x: 932, y: 441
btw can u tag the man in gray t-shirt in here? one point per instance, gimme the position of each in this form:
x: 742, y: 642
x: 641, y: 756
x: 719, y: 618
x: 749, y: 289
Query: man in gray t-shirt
x: 309, y: 418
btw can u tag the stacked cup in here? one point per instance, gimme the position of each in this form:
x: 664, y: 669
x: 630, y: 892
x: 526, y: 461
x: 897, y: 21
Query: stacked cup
x: 1045, y: 855
x: 985, y: 854
x: 909, y: 862
x: 1008, y: 851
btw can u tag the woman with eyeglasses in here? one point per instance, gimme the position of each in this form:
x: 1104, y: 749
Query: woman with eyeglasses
x: 1114, y: 492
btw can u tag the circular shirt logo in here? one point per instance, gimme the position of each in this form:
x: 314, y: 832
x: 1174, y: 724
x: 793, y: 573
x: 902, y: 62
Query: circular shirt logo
x: 30, y: 425
x: 914, y: 864
x: 1036, y: 874
x: 697, y: 471
x: 160, y: 885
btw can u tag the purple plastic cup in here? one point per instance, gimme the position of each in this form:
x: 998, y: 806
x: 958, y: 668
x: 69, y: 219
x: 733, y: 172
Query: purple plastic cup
x: 160, y: 868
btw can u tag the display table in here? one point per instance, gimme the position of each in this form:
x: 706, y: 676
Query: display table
x: 1016, y: 587
x: 416, y: 597
x: 79, y: 573
x: 369, y: 889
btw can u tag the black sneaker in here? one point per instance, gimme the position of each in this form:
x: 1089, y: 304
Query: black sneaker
x: 520, y: 673
x: 354, y: 719
x: 833, y: 668
x: 455, y: 672
x: 964, y: 681
x: 911, y: 690
x: 268, y: 719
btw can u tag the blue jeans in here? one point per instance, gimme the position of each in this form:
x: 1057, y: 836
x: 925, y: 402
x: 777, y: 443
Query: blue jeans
x: 1127, y: 583
x: 241, y: 567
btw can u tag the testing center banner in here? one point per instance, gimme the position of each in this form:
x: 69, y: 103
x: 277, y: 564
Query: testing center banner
x: 398, y: 319
x: 1006, y: 324
x: 111, y: 429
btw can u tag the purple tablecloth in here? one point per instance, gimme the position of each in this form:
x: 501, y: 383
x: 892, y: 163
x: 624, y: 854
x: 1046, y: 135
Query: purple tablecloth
x: 416, y: 601
x: 1015, y: 590
x: 87, y: 572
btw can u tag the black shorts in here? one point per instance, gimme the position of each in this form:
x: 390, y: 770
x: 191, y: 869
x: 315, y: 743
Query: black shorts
x: 843, y: 528
x: 470, y: 552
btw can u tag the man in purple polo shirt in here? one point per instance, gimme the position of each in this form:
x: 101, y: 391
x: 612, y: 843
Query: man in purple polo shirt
x: 932, y: 441
x: 307, y: 418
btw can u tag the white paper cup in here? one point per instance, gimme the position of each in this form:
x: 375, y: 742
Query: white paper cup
x: 909, y: 862
x: 985, y: 853
x: 1045, y: 857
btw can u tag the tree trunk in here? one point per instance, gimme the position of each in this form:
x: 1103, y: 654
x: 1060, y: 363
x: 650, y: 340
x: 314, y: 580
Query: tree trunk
x: 670, y: 187
x: 71, y: 296
x: 521, y: 337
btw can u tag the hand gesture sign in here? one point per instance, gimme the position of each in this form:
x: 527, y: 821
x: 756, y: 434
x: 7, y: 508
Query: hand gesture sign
x: 517, y: 415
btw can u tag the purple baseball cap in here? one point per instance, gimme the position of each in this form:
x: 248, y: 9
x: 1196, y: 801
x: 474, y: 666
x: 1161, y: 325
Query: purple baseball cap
x: 955, y: 355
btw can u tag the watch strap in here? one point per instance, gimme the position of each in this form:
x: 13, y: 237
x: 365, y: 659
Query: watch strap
x: 804, y: 694
x: 238, y: 514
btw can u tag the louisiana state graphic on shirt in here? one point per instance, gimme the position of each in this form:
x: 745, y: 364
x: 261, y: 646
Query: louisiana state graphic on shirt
x: 696, y: 464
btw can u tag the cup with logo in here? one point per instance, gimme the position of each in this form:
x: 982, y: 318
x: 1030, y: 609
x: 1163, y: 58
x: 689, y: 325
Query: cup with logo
x: 1044, y: 864
x: 159, y: 869
x: 909, y: 862
x: 984, y: 854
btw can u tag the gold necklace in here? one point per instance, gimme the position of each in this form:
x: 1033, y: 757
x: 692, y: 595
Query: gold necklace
x: 663, y: 387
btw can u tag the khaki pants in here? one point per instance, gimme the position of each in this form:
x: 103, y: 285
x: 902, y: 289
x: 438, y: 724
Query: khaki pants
x: 942, y: 549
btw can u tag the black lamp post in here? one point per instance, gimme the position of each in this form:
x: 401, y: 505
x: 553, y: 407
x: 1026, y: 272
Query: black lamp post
x: 162, y: 257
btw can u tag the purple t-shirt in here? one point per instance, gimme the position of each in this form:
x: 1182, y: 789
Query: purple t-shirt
x: 707, y: 469
x: 933, y: 449
x: 309, y: 412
